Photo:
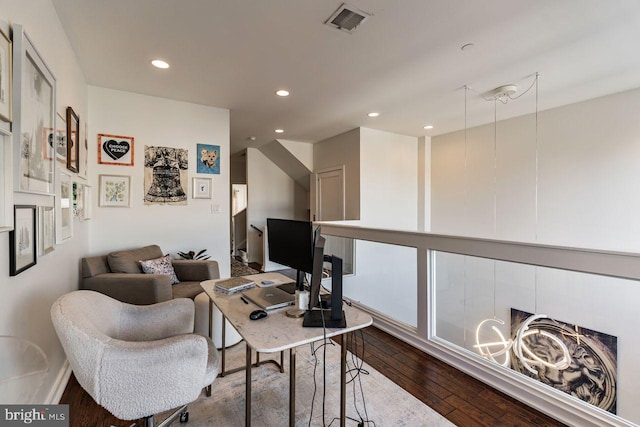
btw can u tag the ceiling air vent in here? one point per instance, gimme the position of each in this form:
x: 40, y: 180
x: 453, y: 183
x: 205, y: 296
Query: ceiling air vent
x: 347, y: 18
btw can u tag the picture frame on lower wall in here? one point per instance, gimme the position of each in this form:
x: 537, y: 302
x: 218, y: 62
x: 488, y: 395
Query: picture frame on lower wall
x: 114, y: 191
x: 46, y: 229
x: 22, y: 239
x: 201, y: 188
x: 64, y: 208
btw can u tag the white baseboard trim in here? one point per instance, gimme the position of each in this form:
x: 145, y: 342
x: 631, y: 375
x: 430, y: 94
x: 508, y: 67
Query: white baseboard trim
x: 59, y: 385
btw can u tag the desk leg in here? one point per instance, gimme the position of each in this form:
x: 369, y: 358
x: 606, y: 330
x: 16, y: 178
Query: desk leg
x: 208, y: 388
x: 224, y: 344
x: 343, y: 380
x: 247, y: 411
x: 292, y: 386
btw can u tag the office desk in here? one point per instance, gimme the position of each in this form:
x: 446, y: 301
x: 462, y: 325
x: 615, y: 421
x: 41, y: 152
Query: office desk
x: 277, y: 333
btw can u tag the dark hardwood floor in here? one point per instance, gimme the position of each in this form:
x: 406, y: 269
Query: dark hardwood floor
x: 458, y: 397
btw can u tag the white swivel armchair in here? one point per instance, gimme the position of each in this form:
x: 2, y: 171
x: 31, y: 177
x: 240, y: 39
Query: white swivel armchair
x: 135, y: 361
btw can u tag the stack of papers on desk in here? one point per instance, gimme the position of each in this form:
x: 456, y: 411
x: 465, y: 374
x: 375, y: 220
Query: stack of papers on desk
x: 234, y: 284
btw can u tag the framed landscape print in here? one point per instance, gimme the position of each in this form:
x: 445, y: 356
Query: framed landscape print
x: 201, y: 188
x: 114, y: 190
x: 46, y: 229
x: 22, y: 240
x: 6, y: 70
x: 73, y: 140
x: 34, y: 90
x: 115, y: 150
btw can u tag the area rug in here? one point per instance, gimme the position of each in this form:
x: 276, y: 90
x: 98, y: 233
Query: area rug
x: 239, y: 269
x: 385, y: 403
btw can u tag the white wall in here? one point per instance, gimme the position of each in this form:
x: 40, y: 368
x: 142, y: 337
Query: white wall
x: 587, y: 187
x: 388, y: 180
x: 343, y: 149
x: 587, y: 182
x: 301, y: 150
x: 238, y: 166
x: 27, y: 298
x: 424, y: 183
x: 161, y: 122
x: 271, y: 194
x: 388, y: 198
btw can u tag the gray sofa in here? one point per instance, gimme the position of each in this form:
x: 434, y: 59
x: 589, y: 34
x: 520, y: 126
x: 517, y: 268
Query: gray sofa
x: 120, y: 276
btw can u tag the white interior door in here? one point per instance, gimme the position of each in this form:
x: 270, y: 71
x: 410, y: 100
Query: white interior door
x: 330, y: 195
x: 330, y: 206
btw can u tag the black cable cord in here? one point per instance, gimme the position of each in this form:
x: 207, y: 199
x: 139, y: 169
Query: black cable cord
x: 324, y: 365
x: 315, y: 366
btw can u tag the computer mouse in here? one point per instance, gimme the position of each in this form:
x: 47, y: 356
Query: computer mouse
x: 257, y: 314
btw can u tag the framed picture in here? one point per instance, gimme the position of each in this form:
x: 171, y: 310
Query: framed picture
x: 56, y: 141
x: 114, y: 190
x: 84, y: 154
x: 22, y: 240
x: 87, y: 202
x: 34, y: 91
x: 6, y: 178
x: 64, y: 208
x: 115, y: 150
x: 46, y: 229
x: 78, y: 200
x: 201, y: 188
x: 208, y: 158
x: 6, y: 69
x: 73, y: 140
x: 166, y: 176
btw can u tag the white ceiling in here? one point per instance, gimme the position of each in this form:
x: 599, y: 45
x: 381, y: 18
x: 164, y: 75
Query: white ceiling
x: 405, y: 61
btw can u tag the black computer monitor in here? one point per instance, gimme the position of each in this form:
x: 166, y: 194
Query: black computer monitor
x: 316, y: 274
x: 290, y: 243
x: 325, y: 312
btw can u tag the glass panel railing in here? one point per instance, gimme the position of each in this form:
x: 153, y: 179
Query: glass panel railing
x: 341, y: 247
x: 574, y: 332
x: 385, y: 278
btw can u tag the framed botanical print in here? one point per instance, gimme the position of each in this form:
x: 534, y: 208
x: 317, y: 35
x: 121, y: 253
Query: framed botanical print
x: 114, y: 190
x: 34, y: 90
x: 73, y: 140
x: 22, y: 240
x: 6, y: 70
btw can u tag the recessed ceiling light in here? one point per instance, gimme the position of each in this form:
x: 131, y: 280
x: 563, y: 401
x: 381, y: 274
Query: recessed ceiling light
x: 159, y: 63
x: 279, y: 130
x: 282, y: 92
x: 373, y: 114
x: 428, y: 127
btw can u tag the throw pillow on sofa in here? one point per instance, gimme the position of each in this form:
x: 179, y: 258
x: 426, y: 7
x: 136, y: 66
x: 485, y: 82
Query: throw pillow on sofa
x: 160, y: 265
